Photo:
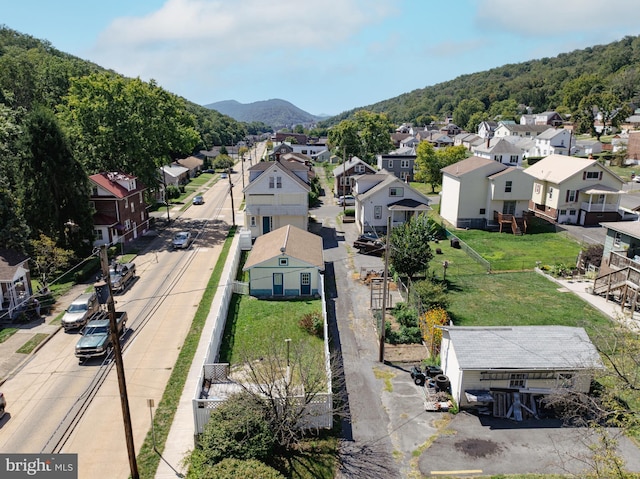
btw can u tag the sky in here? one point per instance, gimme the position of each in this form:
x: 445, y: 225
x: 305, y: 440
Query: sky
x: 324, y: 56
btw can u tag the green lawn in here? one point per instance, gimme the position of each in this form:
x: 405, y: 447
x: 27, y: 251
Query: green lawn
x: 507, y: 252
x: 518, y: 299
x: 253, y: 325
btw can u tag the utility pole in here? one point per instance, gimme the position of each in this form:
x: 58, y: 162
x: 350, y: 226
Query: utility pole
x: 117, y: 354
x: 233, y: 212
x: 384, y: 289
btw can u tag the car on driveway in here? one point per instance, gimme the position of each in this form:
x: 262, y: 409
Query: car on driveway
x: 347, y: 200
x: 198, y: 200
x: 182, y: 240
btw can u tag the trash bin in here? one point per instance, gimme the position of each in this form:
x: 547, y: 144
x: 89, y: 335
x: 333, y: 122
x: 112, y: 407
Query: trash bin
x: 455, y: 243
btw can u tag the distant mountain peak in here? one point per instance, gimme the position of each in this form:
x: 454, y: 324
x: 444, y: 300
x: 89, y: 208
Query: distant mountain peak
x: 275, y: 112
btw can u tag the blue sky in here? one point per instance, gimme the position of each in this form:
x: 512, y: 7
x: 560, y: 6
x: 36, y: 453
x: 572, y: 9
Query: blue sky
x: 324, y: 56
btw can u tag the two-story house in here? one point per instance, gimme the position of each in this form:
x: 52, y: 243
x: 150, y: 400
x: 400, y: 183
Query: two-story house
x: 476, y: 191
x: 398, y: 165
x: 501, y: 151
x: 383, y: 196
x: 120, y: 210
x: 523, y: 131
x: 574, y: 190
x: 277, y: 195
x: 344, y: 175
x: 554, y: 142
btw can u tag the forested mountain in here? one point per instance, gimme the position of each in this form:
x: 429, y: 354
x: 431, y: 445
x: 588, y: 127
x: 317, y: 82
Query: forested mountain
x: 63, y: 118
x: 560, y: 83
x: 275, y: 113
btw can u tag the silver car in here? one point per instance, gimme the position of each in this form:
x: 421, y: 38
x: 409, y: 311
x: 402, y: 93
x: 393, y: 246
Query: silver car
x: 182, y: 240
x: 79, y: 311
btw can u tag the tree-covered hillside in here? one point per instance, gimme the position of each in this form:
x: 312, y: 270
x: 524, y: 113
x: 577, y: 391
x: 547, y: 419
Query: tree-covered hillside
x: 560, y: 83
x: 63, y: 118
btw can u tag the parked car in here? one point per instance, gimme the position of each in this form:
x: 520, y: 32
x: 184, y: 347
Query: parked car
x: 369, y: 244
x: 223, y: 175
x: 182, y: 240
x: 120, y: 275
x: 3, y: 404
x: 79, y: 311
x: 198, y: 200
x: 347, y: 200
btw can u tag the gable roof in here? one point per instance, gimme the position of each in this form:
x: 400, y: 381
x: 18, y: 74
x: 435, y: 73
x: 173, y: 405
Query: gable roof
x: 191, y: 162
x: 338, y: 170
x: 523, y: 347
x: 471, y: 164
x: 290, y: 241
x: 551, y: 133
x: 10, y: 261
x: 108, y: 181
x: 287, y: 167
x: 387, y: 179
x: 174, y: 170
x: 558, y: 168
x: 518, y: 128
x: 500, y: 146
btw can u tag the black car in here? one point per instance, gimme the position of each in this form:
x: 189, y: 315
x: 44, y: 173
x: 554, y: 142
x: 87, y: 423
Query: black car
x: 369, y: 244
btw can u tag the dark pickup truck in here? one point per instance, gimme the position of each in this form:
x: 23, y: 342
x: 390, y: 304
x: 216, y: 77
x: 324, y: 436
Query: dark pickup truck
x: 121, y: 274
x: 369, y: 244
x: 96, y: 337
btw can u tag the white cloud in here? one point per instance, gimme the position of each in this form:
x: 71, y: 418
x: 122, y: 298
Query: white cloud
x: 196, y: 35
x: 557, y: 17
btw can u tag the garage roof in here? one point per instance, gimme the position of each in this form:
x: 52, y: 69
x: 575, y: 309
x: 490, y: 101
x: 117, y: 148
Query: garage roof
x: 523, y: 347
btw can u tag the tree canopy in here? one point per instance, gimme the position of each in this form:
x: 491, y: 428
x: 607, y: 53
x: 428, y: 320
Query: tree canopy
x: 365, y: 136
x: 409, y: 251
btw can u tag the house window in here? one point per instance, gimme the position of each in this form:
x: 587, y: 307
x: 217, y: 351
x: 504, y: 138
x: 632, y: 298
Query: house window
x: 127, y: 225
x: 513, y: 159
x: 140, y: 197
x: 278, y: 181
x: 550, y: 193
x: 126, y: 202
x: 616, y: 239
x: 563, y: 212
x: 133, y: 209
x: 507, y: 186
x: 94, y: 191
x: 271, y: 182
x: 572, y: 196
x: 517, y: 380
x: 283, y: 261
x: 98, y: 234
x: 537, y: 188
x: 359, y: 169
x: 252, y: 222
x: 396, y: 191
x: 565, y: 380
x: 483, y: 211
x: 377, y: 212
x: 390, y: 163
x: 404, y: 164
x: 572, y: 212
x: 593, y: 175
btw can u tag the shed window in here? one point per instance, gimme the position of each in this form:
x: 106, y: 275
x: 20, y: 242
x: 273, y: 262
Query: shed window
x: 518, y: 380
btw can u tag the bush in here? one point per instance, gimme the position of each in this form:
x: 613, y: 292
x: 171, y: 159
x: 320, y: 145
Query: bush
x: 405, y: 335
x: 431, y: 294
x: 313, y: 324
x: 173, y: 192
x: 238, y: 429
x: 236, y: 468
x: 349, y: 212
x: 405, y: 315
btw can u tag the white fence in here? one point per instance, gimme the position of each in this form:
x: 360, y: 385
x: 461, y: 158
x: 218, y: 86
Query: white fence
x: 214, y: 386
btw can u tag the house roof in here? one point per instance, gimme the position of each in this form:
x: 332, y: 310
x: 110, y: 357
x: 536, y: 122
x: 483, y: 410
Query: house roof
x: 290, y: 241
x: 191, y: 162
x: 523, y: 347
x: 338, y: 170
x: 408, y: 204
x: 500, y: 146
x: 518, y: 128
x: 551, y: 133
x: 468, y: 165
x: 601, y: 190
x: 108, y: 181
x: 558, y: 168
x: 10, y: 261
x: 387, y: 180
x: 287, y: 167
x: 631, y: 228
x: 174, y: 170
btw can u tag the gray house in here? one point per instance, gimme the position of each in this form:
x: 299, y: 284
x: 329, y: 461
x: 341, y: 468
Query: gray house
x: 400, y: 166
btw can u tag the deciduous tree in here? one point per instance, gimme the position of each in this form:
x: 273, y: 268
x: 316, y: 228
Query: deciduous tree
x: 410, y: 252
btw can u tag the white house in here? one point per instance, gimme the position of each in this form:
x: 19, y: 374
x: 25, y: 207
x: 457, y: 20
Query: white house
x: 285, y: 263
x: 174, y: 174
x: 383, y: 196
x: 501, y: 151
x: 554, y: 142
x: 523, y: 362
x: 277, y: 195
x: 476, y: 190
x: 523, y: 131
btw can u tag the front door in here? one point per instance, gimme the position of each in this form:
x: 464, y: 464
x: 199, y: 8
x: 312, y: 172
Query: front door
x: 305, y: 284
x: 278, y: 287
x: 266, y: 224
x: 509, y: 208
